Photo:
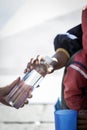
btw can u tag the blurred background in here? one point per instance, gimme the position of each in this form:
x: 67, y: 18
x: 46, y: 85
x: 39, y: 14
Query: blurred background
x: 28, y: 28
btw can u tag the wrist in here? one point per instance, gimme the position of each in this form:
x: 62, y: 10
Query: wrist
x: 54, y: 63
x: 62, y: 50
x: 60, y: 58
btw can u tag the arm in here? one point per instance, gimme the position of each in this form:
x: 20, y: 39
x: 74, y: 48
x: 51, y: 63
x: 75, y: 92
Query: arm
x: 62, y: 57
x: 59, y: 60
x: 71, y: 41
x: 65, y: 46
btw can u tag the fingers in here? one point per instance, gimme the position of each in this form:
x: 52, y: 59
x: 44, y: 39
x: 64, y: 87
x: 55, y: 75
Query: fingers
x: 5, y: 90
x: 37, y: 60
x: 30, y: 65
x: 82, y: 120
x: 14, y: 83
x: 20, y: 97
x: 82, y: 114
x: 33, y: 62
x: 30, y: 96
x: 17, y: 91
x: 40, y: 58
x: 50, y: 69
x: 26, y: 101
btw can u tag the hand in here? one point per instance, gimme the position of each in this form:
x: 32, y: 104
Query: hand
x: 35, y: 63
x: 4, y: 91
x: 19, y: 95
x: 82, y: 120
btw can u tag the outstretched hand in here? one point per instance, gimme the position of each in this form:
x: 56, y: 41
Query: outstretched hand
x: 4, y: 91
x: 35, y: 62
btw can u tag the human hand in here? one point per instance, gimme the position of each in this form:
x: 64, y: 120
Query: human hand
x: 19, y: 95
x: 82, y: 120
x: 38, y: 62
x: 4, y: 92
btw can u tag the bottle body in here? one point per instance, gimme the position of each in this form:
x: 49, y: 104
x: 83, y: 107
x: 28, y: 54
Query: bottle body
x: 18, y: 95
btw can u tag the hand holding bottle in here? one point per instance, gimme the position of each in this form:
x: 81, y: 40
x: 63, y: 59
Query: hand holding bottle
x: 39, y: 64
x: 18, y: 95
x: 4, y: 91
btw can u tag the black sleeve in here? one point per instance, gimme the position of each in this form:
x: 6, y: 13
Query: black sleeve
x: 68, y: 43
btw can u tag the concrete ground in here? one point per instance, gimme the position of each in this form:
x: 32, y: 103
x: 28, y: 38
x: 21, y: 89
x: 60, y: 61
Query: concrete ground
x: 30, y: 117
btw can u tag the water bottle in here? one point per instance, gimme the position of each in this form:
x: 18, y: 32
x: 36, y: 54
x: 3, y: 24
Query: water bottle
x: 17, y: 95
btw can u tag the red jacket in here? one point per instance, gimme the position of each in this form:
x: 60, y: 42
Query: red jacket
x: 75, y: 81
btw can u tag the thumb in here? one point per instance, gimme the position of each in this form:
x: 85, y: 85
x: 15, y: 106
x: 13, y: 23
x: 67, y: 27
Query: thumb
x: 10, y: 86
x: 15, y: 82
x: 50, y: 69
